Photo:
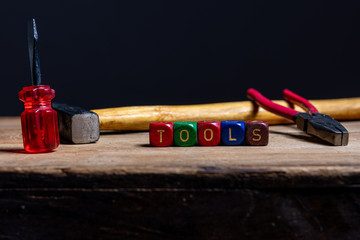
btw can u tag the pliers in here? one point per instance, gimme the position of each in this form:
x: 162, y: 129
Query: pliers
x: 311, y: 122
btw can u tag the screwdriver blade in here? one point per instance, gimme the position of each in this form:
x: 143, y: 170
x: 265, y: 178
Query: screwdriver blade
x: 34, y: 53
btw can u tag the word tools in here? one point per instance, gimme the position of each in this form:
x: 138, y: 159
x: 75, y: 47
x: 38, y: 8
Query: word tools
x: 209, y: 133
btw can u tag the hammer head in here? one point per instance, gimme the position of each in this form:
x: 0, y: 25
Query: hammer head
x: 77, y: 125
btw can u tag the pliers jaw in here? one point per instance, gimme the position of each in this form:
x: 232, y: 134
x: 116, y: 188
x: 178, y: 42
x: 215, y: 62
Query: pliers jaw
x: 323, y: 127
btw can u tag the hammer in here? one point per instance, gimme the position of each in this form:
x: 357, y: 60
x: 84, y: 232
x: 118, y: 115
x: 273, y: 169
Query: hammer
x: 78, y: 125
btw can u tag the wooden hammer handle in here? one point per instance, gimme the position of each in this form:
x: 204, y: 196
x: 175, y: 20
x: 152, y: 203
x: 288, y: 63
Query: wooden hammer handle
x: 138, y: 118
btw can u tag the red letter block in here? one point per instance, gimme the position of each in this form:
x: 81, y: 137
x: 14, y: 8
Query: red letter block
x: 161, y: 134
x: 209, y: 133
x: 256, y: 133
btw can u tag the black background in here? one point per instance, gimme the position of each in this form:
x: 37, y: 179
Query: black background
x: 98, y: 54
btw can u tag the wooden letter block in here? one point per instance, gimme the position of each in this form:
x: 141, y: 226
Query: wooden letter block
x: 185, y: 134
x: 256, y: 133
x: 209, y: 133
x: 161, y: 134
x: 232, y: 132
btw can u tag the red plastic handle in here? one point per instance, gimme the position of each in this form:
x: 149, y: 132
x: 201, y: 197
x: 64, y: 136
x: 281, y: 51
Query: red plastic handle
x: 39, y: 121
x: 267, y: 104
x: 300, y: 101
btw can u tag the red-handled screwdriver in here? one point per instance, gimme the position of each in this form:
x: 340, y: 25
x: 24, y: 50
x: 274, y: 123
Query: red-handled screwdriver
x: 38, y: 121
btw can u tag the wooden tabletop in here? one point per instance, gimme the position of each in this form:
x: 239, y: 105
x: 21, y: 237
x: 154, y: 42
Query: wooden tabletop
x: 290, y: 153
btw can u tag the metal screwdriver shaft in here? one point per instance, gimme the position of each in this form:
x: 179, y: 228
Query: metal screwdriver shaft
x: 33, y: 39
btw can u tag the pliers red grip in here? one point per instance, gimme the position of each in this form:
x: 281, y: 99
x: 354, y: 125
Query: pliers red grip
x: 312, y: 122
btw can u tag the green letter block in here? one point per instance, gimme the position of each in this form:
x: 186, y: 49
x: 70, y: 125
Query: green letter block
x: 185, y: 134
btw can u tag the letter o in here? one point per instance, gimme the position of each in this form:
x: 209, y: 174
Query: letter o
x: 187, y: 135
x: 211, y: 135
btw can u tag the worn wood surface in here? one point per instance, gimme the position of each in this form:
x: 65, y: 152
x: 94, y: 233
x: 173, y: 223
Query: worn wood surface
x: 289, y: 151
x: 297, y: 187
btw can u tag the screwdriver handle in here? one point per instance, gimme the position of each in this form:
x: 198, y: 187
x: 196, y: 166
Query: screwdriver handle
x: 39, y: 121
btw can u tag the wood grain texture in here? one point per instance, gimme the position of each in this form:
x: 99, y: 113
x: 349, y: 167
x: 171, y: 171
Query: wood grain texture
x: 138, y: 118
x: 121, y: 188
x: 289, y: 151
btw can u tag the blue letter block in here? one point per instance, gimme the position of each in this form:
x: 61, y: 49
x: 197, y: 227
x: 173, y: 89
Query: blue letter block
x: 232, y: 132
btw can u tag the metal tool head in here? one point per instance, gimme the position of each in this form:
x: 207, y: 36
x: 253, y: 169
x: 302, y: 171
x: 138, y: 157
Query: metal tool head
x: 77, y: 125
x: 324, y: 127
x: 33, y: 38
